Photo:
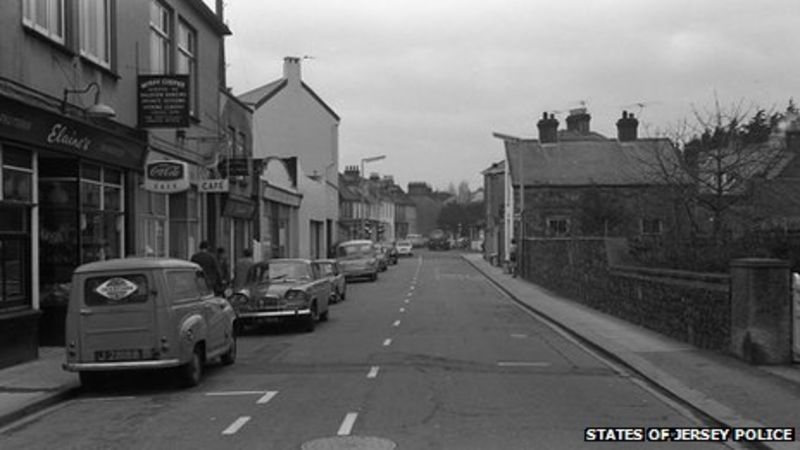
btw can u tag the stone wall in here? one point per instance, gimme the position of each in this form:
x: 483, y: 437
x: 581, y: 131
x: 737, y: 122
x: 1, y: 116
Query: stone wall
x: 691, y: 307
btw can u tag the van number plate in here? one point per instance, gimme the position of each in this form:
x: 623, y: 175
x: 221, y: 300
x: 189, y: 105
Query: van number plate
x: 118, y: 355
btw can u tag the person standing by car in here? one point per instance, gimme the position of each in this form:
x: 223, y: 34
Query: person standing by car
x: 512, y: 258
x: 208, y: 262
x: 243, y: 266
x: 224, y: 266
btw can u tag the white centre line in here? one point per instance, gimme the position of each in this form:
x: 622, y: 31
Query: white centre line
x: 523, y: 364
x: 267, y: 397
x: 234, y: 427
x: 373, y: 372
x: 396, y: 323
x: 406, y: 301
x: 217, y: 394
x: 519, y: 336
x: 347, y: 424
x: 387, y: 342
x: 402, y: 310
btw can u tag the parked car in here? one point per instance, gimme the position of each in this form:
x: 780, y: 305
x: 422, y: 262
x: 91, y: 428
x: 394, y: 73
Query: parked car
x: 404, y: 248
x: 357, y: 259
x: 145, y: 313
x: 417, y: 240
x: 283, y: 290
x: 382, y: 257
x: 329, y: 268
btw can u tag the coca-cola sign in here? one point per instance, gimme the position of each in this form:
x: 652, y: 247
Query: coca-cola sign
x: 166, y: 176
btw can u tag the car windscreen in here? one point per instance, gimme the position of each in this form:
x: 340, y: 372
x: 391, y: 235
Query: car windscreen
x: 111, y: 290
x: 287, y: 271
x: 403, y: 243
x: 355, y: 250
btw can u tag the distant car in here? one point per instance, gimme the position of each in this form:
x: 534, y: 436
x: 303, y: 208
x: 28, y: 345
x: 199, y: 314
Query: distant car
x: 329, y: 268
x: 382, y: 257
x: 283, y: 290
x: 357, y: 259
x: 404, y: 248
x: 145, y: 313
x: 417, y: 240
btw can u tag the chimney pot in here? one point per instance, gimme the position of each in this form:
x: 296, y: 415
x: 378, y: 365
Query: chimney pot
x: 627, y: 127
x: 548, y: 129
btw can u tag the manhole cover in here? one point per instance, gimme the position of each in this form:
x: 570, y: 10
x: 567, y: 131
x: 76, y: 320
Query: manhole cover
x: 349, y: 443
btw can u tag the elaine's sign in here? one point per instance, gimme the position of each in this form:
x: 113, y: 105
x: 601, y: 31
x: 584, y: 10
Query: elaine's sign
x: 163, y: 101
x: 166, y: 177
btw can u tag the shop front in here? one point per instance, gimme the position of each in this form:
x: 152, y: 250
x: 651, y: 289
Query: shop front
x: 64, y: 202
x: 279, y: 204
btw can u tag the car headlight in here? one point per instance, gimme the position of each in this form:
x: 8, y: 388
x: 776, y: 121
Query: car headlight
x: 295, y: 298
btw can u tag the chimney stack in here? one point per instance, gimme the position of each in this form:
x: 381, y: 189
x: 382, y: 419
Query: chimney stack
x: 548, y: 129
x: 351, y: 173
x: 627, y: 127
x: 291, y: 69
x: 578, y: 120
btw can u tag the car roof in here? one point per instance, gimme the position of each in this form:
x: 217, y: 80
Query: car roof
x: 284, y: 260
x: 136, y: 263
x: 357, y: 242
x: 325, y: 260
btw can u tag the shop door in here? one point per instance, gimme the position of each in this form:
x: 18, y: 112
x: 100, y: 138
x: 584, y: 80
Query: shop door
x: 796, y: 317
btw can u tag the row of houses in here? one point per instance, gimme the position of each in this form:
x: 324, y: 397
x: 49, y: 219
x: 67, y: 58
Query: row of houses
x: 575, y: 182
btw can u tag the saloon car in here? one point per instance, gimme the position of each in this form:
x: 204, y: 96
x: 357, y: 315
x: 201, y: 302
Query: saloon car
x: 329, y: 268
x: 283, y: 290
x: 145, y: 313
x: 357, y: 259
x: 404, y: 248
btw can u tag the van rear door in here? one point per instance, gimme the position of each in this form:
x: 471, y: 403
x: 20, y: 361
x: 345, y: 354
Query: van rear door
x: 117, y: 317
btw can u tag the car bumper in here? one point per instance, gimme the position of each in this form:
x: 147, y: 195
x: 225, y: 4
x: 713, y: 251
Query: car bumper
x: 121, y: 365
x: 273, y: 314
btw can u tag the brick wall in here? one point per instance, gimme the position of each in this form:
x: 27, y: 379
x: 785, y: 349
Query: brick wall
x: 691, y: 307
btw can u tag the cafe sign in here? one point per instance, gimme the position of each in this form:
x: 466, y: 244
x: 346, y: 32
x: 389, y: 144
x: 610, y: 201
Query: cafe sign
x: 166, y: 177
x: 220, y: 185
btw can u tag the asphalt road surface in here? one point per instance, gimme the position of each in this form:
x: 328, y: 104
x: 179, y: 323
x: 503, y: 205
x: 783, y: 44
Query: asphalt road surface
x: 431, y: 356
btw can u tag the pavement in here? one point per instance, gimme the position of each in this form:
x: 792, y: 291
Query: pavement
x: 719, y: 387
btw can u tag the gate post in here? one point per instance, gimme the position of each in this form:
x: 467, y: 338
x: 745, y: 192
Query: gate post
x: 761, y: 313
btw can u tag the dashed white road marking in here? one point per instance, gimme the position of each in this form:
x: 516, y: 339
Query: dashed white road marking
x: 406, y: 301
x: 373, y: 372
x: 523, y: 364
x: 519, y: 336
x: 396, y: 323
x: 387, y: 342
x: 225, y: 393
x: 267, y: 397
x: 236, y: 425
x: 402, y: 310
x: 347, y: 424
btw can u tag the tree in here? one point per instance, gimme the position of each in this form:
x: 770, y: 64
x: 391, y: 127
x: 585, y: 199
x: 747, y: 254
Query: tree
x: 464, y: 195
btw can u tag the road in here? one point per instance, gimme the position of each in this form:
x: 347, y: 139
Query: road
x: 431, y: 356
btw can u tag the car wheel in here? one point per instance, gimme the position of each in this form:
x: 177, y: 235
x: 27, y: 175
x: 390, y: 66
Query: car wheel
x: 374, y: 277
x: 91, y: 380
x: 230, y: 356
x: 192, y: 372
x: 311, y: 319
x: 343, y: 295
x: 324, y: 316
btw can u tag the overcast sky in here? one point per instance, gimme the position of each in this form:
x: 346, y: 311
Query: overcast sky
x: 427, y: 82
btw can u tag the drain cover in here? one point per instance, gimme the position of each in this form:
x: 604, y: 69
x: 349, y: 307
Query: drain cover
x: 349, y: 443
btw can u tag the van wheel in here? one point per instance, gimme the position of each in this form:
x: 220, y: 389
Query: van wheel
x: 192, y: 372
x: 229, y: 357
x: 91, y: 380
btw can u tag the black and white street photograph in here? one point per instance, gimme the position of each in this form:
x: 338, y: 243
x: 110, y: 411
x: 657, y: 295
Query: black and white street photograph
x: 411, y: 225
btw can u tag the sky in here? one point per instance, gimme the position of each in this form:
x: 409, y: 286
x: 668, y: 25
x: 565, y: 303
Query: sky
x: 427, y: 83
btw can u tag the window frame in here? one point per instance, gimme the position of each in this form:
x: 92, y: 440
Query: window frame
x: 551, y: 229
x: 104, y: 31
x: 645, y: 229
x: 188, y: 51
x: 54, y: 28
x: 165, y: 36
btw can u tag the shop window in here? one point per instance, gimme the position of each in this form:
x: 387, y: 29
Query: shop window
x: 101, y: 219
x: 151, y: 223
x: 160, y: 38
x: 95, y: 30
x: 14, y: 257
x: 16, y: 175
x: 46, y: 17
x: 183, y: 224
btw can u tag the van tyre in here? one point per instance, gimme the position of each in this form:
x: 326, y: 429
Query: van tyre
x: 192, y: 372
x: 229, y: 357
x: 91, y: 380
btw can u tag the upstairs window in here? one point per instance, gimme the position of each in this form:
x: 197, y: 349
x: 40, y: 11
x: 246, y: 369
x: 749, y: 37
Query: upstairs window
x: 187, y: 61
x: 160, y: 38
x: 557, y: 226
x: 46, y: 17
x: 95, y: 28
x: 652, y: 226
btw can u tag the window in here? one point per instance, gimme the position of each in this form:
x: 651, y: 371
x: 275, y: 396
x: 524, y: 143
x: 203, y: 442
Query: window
x: 116, y: 290
x: 151, y: 223
x: 46, y: 17
x: 652, y: 226
x: 183, y: 286
x: 95, y: 23
x: 160, y: 43
x: 187, y: 61
x: 101, y: 217
x: 557, y: 226
x: 16, y: 175
x: 14, y: 256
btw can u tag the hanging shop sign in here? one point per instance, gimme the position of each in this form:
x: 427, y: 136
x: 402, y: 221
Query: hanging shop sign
x: 163, y: 101
x: 234, y: 167
x: 240, y: 208
x: 166, y: 177
x: 41, y: 128
x: 211, y: 186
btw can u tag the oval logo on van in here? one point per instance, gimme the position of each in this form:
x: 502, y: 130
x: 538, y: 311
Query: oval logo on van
x: 116, y: 288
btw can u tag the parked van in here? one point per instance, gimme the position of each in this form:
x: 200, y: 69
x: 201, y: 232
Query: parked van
x: 146, y: 313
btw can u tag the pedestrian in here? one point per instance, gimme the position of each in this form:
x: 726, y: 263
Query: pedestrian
x: 243, y: 266
x: 224, y: 266
x: 512, y: 258
x: 208, y: 262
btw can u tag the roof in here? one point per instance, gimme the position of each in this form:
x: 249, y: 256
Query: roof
x: 497, y: 168
x: 591, y: 162
x: 136, y: 263
x: 261, y: 95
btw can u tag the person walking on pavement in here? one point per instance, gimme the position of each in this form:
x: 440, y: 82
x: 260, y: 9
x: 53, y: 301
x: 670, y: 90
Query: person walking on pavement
x: 242, y: 268
x: 224, y: 267
x: 208, y: 262
x: 512, y: 258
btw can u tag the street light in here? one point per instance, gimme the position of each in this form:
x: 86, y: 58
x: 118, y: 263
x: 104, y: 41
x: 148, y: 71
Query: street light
x: 370, y: 159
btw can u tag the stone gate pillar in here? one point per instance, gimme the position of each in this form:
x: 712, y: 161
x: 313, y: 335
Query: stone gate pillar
x: 761, y: 313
